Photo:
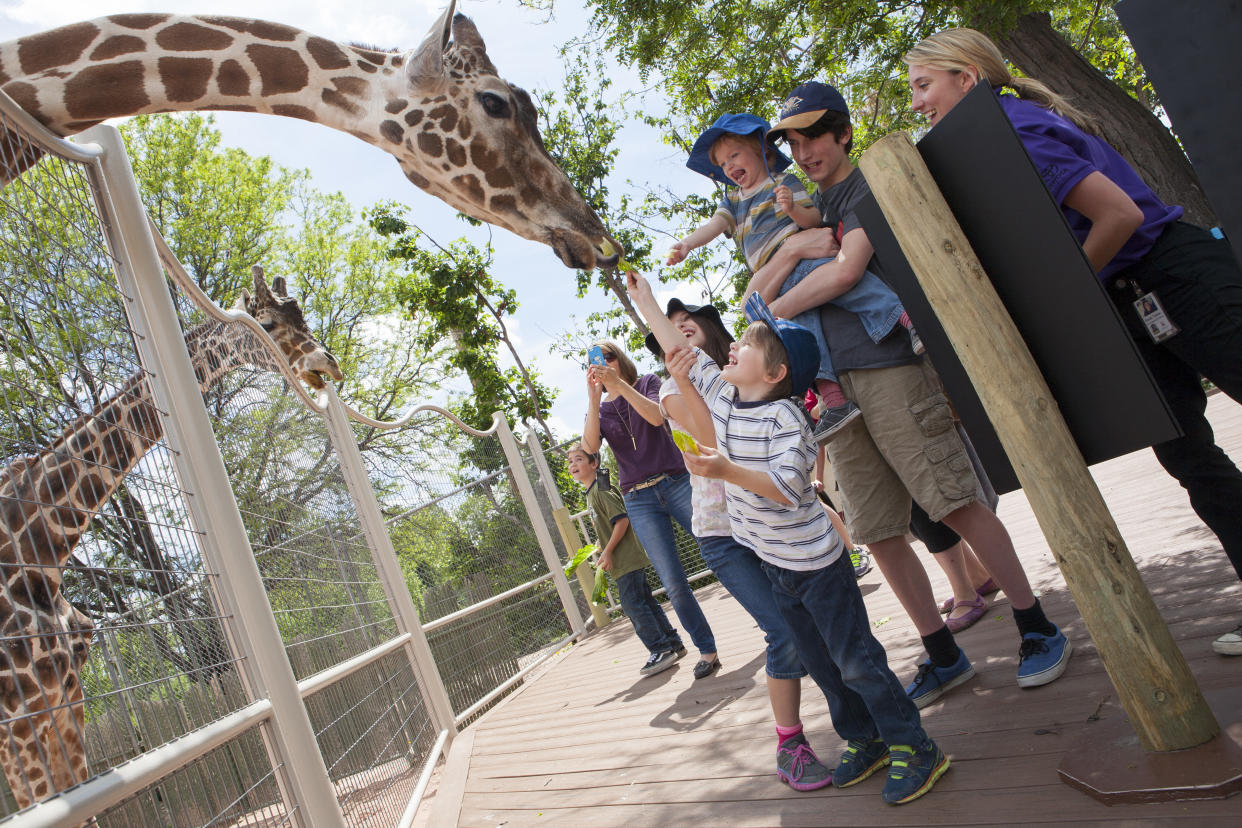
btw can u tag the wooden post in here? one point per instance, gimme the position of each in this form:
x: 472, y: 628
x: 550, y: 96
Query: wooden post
x: 1153, y: 682
x: 585, y: 579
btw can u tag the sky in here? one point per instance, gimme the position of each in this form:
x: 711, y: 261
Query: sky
x: 523, y: 44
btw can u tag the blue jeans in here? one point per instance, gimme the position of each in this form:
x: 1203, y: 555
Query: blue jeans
x: 825, y: 611
x: 652, y: 511
x: 650, y: 623
x: 877, y: 307
x: 739, y: 569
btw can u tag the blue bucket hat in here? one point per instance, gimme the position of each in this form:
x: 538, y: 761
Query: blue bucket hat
x: 741, y: 124
x: 800, y: 346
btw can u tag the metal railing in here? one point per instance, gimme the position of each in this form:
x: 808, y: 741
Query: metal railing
x: 258, y: 622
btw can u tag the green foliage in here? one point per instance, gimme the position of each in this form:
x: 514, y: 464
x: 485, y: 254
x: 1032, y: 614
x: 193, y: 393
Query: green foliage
x: 454, y: 290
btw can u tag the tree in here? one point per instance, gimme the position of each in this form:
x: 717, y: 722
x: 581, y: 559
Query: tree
x: 453, y: 286
x: 742, y: 55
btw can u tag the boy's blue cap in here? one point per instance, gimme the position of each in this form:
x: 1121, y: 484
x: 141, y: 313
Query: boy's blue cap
x: 800, y: 345
x: 806, y: 105
x: 741, y: 124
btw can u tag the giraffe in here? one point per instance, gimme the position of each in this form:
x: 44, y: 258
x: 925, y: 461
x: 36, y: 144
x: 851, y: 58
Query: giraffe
x: 47, y: 501
x: 457, y: 129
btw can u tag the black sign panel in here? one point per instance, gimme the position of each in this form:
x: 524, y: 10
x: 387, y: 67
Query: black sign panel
x: 1039, y: 271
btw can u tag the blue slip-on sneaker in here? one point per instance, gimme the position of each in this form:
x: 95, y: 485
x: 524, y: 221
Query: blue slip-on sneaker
x: 932, y: 682
x: 798, y: 766
x: 860, y: 760
x: 1043, y: 658
x: 913, y: 772
x: 832, y: 420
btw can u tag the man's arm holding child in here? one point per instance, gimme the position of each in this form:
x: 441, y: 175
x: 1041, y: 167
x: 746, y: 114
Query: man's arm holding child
x: 818, y: 243
x: 704, y: 233
x: 829, y: 281
x: 713, y: 463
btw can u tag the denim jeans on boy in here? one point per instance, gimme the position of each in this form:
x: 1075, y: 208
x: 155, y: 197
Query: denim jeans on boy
x: 651, y: 512
x: 824, y: 610
x: 741, y: 572
x: 650, y: 623
x: 877, y: 307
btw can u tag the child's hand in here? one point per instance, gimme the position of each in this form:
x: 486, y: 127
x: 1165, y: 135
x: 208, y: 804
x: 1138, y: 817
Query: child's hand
x: 708, y: 463
x: 638, y: 285
x: 679, y: 361
x: 677, y: 253
x: 784, y: 198
x: 605, y: 561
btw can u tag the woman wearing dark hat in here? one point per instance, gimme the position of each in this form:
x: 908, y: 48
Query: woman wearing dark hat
x: 653, y: 479
x: 735, y: 565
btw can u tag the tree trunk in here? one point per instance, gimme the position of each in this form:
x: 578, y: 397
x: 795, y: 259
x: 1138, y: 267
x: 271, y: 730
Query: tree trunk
x: 1043, y: 53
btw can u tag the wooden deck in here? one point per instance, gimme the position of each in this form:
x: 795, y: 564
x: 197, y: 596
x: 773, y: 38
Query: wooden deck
x: 590, y: 743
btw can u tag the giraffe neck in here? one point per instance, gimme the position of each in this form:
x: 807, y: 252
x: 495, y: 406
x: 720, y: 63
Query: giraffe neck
x: 48, y: 500
x: 78, y: 75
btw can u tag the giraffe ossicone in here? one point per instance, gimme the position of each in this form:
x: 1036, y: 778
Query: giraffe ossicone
x: 458, y: 130
x: 47, y: 503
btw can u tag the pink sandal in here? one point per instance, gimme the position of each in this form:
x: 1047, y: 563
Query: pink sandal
x: 978, y: 607
x: 990, y: 587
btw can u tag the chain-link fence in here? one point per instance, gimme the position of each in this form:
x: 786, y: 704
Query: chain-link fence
x: 221, y: 598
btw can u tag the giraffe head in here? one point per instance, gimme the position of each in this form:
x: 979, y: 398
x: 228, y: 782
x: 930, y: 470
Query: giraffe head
x: 280, y: 315
x: 472, y: 139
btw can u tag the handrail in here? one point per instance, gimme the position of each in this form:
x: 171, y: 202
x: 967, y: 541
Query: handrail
x: 428, y: 626
x: 424, y: 778
x: 36, y: 133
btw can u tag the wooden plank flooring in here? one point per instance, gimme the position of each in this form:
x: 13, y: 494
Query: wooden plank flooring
x: 590, y: 743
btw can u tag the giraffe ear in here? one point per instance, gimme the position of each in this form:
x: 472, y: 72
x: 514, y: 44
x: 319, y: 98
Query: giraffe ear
x: 278, y: 287
x: 467, y: 36
x: 243, y: 301
x: 427, y: 62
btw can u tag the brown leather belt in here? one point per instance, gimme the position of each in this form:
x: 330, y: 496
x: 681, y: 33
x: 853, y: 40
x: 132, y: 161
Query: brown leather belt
x: 646, y: 484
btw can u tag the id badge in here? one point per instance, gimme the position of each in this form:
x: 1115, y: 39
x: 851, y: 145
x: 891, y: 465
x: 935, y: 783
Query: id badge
x: 1158, y: 325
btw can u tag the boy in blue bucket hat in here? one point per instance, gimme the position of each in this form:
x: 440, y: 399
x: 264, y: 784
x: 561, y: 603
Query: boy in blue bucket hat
x: 760, y: 212
x: 764, y: 455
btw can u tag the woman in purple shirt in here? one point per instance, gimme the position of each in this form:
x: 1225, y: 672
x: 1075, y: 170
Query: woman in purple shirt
x: 654, y: 482
x: 1177, y: 287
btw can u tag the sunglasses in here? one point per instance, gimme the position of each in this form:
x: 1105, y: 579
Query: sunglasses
x: 610, y: 357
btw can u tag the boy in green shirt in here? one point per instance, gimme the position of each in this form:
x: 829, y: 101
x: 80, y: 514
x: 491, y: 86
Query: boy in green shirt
x: 623, y: 557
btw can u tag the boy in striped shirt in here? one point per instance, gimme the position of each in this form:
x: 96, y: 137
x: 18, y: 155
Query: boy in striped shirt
x: 765, y: 456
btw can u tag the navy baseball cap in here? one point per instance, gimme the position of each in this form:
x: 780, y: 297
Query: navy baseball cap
x: 806, y: 105
x: 710, y: 311
x: 800, y: 346
x: 741, y: 124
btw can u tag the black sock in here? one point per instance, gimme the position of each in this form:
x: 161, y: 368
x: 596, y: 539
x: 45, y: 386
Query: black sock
x: 1033, y: 620
x: 942, y: 648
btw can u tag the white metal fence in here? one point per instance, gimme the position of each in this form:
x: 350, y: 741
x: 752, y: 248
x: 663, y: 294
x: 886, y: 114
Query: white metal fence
x: 239, y: 605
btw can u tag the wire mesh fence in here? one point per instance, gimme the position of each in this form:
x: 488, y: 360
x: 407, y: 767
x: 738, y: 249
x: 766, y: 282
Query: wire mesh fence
x: 121, y: 641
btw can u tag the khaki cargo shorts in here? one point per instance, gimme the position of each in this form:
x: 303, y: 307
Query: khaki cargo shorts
x: 904, y: 446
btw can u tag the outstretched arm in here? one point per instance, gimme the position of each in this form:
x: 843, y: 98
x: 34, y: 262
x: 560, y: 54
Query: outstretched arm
x: 702, y: 234
x: 590, y: 429
x: 644, y: 300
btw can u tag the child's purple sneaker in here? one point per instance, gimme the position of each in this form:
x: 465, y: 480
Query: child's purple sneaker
x: 799, y: 767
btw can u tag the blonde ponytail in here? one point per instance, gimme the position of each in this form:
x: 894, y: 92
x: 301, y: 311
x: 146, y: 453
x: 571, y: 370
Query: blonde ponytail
x: 956, y: 50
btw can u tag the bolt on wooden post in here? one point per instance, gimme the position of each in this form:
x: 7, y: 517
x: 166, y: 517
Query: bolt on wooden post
x: 1154, y: 684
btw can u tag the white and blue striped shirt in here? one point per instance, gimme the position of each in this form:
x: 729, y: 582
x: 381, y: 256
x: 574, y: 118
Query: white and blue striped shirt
x: 772, y: 435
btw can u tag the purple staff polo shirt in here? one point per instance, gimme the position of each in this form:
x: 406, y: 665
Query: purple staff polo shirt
x: 642, y: 450
x: 1065, y: 155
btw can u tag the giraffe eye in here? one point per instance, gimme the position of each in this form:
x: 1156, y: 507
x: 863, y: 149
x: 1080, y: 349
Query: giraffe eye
x: 494, y: 105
